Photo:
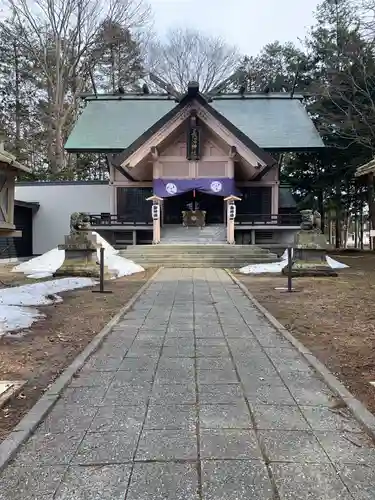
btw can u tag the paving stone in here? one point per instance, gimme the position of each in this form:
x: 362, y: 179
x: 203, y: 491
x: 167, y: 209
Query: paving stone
x: 270, y: 338
x: 118, y: 418
x: 128, y: 394
x: 220, y: 394
x: 360, y: 480
x: 237, y: 332
x: 207, y: 342
x: 171, y: 417
x: 309, y: 391
x: 215, y: 364
x: 159, y: 445
x: 132, y: 376
x: 170, y: 394
x: 309, y: 481
x: 179, y: 341
x: 107, y: 447
x: 146, y: 335
x: 31, y: 483
x: 234, y: 416
x: 99, y: 482
x: 175, y: 375
x: 217, y: 376
x: 181, y: 351
x: 49, y: 449
x: 168, y: 481
x: 288, y: 365
x: 139, y: 364
x: 202, y: 333
x: 66, y: 418
x: 235, y: 480
x: 347, y: 447
x: 146, y: 345
x: 279, y: 417
x: 92, y: 379
x: 228, y: 444
x: 213, y: 351
x: 138, y: 352
x: 322, y: 418
x: 117, y: 348
x: 176, y: 364
x: 239, y: 346
x: 104, y: 364
x: 174, y: 332
x: 266, y: 392
x: 90, y: 396
x: 292, y: 446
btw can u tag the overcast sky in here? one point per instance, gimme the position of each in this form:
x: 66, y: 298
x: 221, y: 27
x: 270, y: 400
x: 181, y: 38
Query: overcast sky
x: 249, y: 24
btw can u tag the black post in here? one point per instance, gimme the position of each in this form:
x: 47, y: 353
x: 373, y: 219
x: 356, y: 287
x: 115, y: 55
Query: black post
x: 290, y: 269
x: 101, y: 274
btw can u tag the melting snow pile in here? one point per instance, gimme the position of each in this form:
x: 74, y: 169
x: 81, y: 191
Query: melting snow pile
x: 276, y: 267
x: 46, y: 264
x: 16, y: 311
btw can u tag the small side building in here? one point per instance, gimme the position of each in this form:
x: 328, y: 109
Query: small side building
x: 15, y: 216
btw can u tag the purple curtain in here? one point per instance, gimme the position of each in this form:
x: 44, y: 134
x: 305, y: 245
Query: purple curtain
x: 166, y: 188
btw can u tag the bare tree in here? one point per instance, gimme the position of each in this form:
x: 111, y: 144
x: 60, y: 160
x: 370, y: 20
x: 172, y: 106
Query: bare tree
x: 61, y: 37
x: 190, y: 55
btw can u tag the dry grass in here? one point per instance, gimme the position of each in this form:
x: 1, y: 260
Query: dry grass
x: 334, y: 317
x: 52, y: 343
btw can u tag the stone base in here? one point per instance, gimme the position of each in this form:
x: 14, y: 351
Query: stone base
x: 310, y: 269
x: 81, y: 268
x: 310, y: 240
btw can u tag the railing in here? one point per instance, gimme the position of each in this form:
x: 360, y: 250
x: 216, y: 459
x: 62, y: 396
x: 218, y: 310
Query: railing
x: 268, y: 220
x: 107, y: 219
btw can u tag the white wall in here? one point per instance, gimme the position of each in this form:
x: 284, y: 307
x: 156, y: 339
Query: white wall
x: 57, y: 202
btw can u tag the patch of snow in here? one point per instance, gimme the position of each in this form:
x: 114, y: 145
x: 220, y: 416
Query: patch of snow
x: 108, y: 249
x: 45, y: 265
x: 15, y: 302
x: 17, y: 318
x: 334, y: 264
x: 269, y: 267
x: 119, y: 266
x: 277, y: 267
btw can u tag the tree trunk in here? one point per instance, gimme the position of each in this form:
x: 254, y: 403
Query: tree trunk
x: 338, y: 217
x: 321, y: 208
x: 18, y: 118
x: 371, y: 205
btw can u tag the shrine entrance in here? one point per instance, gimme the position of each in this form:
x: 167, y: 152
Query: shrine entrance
x: 174, y: 206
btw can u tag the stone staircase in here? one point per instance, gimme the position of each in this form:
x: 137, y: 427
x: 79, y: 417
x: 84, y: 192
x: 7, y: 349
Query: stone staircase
x: 198, y: 255
x: 178, y: 235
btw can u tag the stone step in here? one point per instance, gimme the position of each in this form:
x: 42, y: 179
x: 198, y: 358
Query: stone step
x: 192, y: 255
x: 208, y: 258
x: 196, y: 249
x: 190, y: 264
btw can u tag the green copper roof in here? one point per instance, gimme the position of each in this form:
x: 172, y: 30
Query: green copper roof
x: 271, y: 123
x: 110, y: 123
x: 113, y: 124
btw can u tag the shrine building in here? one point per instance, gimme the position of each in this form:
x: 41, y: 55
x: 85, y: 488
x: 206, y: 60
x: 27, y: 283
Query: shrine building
x: 184, y: 160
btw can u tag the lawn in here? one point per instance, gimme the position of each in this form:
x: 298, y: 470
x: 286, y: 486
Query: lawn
x: 52, y: 343
x: 333, y: 317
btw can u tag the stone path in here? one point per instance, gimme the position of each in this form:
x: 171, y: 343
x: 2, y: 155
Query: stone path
x: 194, y: 396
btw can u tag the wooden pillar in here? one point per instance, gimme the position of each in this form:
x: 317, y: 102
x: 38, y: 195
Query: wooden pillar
x: 155, y: 211
x: 275, y: 199
x: 231, y: 215
x: 252, y: 236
